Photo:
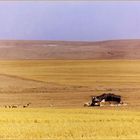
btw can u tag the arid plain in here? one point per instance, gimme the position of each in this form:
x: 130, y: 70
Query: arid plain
x: 67, y: 83
x: 57, y: 78
x: 65, y: 74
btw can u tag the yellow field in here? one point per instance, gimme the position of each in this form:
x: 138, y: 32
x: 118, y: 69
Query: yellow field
x: 63, y: 124
x: 67, y: 84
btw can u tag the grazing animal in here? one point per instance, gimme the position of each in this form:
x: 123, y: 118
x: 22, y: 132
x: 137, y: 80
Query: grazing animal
x: 7, y: 106
x: 14, y: 106
x: 27, y: 105
x: 87, y: 104
x: 10, y: 106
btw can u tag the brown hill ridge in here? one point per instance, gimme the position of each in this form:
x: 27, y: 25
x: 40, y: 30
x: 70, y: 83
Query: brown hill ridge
x: 114, y: 49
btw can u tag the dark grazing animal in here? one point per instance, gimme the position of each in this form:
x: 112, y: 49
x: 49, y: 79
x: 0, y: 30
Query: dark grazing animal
x: 24, y: 106
x: 106, y: 97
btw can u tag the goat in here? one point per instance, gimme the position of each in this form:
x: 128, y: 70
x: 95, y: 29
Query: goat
x: 13, y: 106
x: 24, y: 106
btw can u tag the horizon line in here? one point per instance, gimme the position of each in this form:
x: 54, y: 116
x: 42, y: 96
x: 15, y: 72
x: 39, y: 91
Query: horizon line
x: 35, y: 40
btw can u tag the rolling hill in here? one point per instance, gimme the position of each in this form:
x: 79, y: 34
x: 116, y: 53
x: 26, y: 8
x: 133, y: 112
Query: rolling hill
x: 115, y: 49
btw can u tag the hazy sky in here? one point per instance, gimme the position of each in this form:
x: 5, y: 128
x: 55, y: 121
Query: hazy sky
x: 69, y: 20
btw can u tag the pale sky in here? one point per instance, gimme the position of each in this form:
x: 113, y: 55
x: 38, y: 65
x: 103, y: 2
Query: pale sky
x: 59, y: 20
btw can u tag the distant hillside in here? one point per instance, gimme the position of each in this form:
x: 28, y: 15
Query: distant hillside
x: 118, y: 49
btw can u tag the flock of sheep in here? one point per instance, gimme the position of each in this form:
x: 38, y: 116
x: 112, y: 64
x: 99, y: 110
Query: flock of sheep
x: 16, y: 106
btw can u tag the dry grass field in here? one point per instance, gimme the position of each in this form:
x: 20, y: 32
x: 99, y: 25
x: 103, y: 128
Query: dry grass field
x: 57, y: 90
x: 69, y: 124
x: 67, y: 83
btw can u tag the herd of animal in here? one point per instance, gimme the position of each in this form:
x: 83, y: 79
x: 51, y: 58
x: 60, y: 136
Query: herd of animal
x: 17, y: 106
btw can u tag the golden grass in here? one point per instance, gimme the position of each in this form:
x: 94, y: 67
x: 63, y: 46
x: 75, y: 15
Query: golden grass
x: 78, y: 124
x: 76, y: 72
x: 86, y: 123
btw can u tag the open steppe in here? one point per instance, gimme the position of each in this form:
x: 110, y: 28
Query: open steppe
x: 32, y: 72
x: 67, y: 83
